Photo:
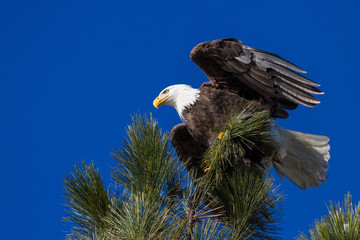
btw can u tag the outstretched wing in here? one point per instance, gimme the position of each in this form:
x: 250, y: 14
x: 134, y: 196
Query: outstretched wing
x: 255, y: 75
x: 189, y: 151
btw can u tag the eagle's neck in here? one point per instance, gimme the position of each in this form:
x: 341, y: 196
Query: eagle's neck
x: 185, y: 98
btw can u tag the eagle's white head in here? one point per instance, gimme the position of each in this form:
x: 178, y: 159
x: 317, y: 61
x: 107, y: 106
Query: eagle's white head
x: 179, y: 96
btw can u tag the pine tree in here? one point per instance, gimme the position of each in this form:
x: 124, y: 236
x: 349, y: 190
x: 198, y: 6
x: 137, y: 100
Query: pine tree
x: 342, y: 223
x: 153, y: 196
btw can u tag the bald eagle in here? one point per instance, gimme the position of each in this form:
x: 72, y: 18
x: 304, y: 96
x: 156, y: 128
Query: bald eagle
x: 240, y: 73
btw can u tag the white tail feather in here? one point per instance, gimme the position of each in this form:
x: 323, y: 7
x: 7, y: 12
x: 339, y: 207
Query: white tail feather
x: 301, y: 157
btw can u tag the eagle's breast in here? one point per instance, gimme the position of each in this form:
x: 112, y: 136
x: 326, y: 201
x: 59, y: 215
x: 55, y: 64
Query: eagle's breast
x: 208, y: 116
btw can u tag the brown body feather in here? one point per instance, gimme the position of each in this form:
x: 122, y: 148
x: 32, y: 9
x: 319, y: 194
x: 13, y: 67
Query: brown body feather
x: 239, y: 74
x: 255, y: 75
x: 209, y: 115
x: 204, y: 121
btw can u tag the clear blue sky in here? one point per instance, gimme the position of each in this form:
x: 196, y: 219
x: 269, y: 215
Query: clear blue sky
x: 72, y: 72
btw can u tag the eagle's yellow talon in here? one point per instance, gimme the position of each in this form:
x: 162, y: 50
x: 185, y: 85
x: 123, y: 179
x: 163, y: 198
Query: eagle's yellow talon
x: 206, y: 169
x: 221, y: 135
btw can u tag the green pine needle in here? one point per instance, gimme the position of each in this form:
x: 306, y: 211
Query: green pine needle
x: 252, y: 204
x: 342, y: 223
x: 88, y: 201
x: 146, y: 159
x: 139, y: 216
x: 152, y: 197
x: 247, y: 129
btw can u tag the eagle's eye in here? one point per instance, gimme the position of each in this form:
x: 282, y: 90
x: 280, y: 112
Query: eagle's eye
x: 165, y: 91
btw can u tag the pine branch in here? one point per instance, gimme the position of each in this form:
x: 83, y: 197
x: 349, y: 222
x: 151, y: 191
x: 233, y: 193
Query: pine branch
x: 250, y: 202
x: 153, y: 198
x: 146, y: 160
x: 88, y: 201
x: 247, y: 133
x: 139, y: 216
x: 341, y: 223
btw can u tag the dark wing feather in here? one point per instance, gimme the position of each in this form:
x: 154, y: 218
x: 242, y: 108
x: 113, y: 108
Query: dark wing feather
x: 255, y: 75
x: 189, y: 151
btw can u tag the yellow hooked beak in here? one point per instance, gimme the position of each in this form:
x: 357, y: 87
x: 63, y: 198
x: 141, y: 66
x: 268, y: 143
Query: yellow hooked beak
x: 157, y: 102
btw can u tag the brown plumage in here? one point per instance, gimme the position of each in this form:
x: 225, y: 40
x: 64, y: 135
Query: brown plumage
x: 239, y: 74
x: 255, y: 75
